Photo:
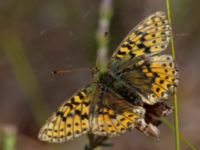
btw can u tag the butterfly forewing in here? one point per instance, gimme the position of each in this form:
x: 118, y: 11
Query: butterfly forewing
x: 149, y: 37
x: 71, y: 119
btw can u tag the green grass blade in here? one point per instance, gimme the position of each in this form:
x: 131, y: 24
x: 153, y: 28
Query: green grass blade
x: 176, y: 122
x: 9, y: 138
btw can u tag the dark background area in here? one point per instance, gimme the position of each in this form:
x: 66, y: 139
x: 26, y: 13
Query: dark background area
x: 37, y: 37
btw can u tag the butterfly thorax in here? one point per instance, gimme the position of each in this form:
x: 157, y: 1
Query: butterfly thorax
x: 109, y: 82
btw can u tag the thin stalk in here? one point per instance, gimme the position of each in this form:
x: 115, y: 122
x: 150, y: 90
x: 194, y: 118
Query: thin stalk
x: 105, y: 16
x: 9, y: 140
x: 176, y: 121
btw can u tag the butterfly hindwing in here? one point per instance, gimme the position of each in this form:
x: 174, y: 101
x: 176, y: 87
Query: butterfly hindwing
x: 154, y: 77
x: 113, y: 116
x: 71, y: 119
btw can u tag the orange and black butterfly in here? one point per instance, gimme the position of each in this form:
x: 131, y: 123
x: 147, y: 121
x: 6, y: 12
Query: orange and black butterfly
x: 130, y: 93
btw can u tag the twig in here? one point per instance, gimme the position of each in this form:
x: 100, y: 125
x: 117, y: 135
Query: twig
x: 106, y: 12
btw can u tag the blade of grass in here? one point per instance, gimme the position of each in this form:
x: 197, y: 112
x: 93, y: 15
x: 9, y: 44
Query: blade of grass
x: 176, y: 121
x: 9, y: 139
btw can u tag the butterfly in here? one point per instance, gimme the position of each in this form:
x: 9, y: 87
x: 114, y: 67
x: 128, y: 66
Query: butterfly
x: 130, y: 93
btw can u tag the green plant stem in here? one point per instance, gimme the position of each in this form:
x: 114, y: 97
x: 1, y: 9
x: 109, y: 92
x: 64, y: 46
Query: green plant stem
x: 176, y: 120
x: 105, y: 16
x: 9, y: 139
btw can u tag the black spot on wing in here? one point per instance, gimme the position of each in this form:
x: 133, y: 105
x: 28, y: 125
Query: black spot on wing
x: 142, y: 46
x: 78, y: 112
x: 69, y: 105
x: 127, y: 46
x: 81, y: 96
x: 84, y: 116
x: 74, y: 102
x: 121, y: 53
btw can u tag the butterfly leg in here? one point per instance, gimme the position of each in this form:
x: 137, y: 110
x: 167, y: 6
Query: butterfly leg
x: 148, y: 128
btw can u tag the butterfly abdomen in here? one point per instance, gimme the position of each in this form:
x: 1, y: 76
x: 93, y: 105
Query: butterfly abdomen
x: 110, y: 82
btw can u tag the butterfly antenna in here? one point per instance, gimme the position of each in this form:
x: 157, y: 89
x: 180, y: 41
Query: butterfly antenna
x: 71, y: 70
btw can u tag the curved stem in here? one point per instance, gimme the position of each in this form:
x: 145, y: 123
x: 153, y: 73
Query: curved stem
x: 177, y: 134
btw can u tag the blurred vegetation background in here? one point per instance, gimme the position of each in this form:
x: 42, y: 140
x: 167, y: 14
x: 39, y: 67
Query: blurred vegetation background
x: 37, y: 37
